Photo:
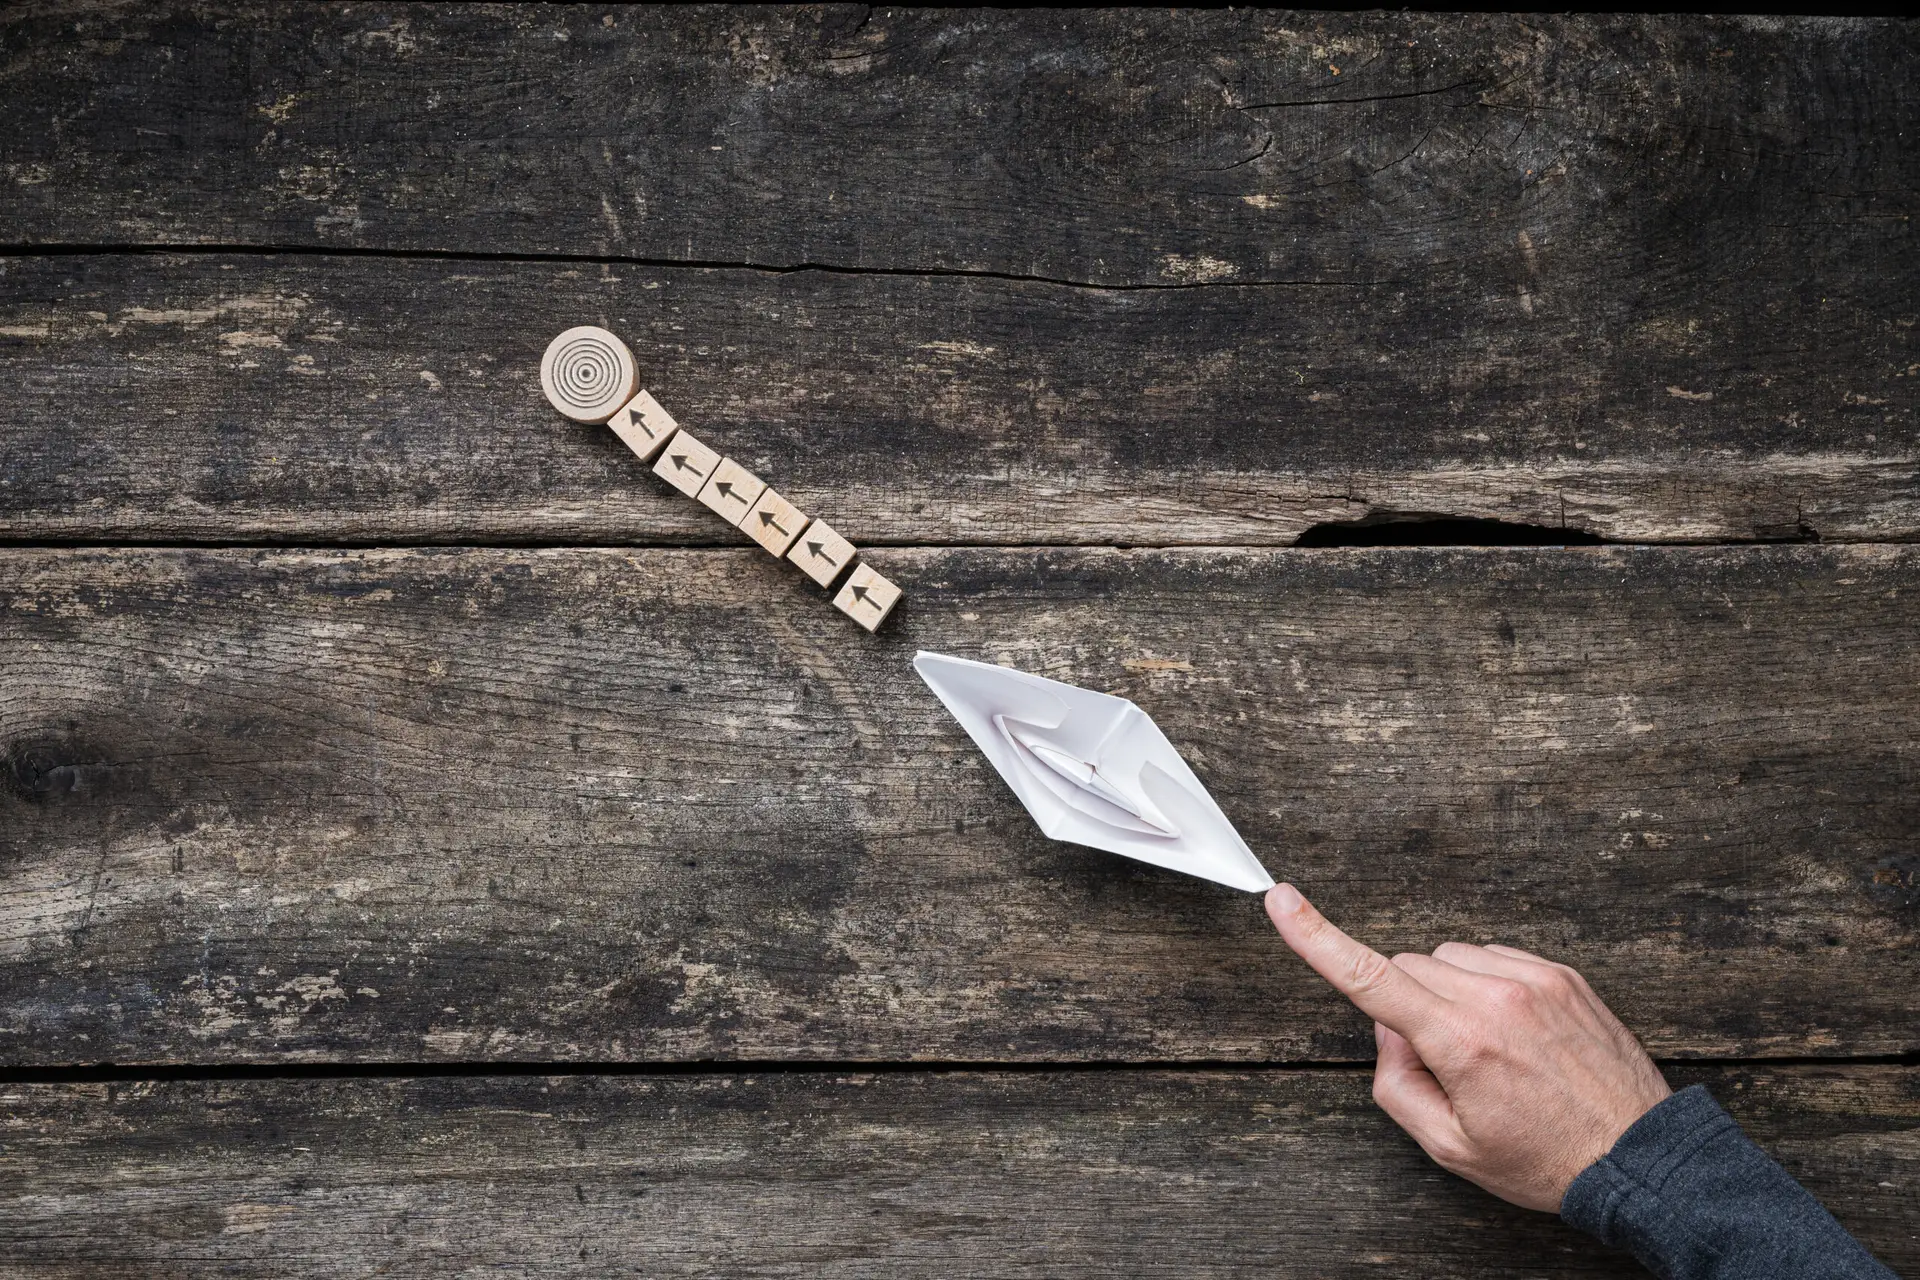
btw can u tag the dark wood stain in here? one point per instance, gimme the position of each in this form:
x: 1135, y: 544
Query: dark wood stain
x: 354, y: 399
x: 1640, y: 276
x: 1138, y: 1173
x: 1342, y: 150
x: 656, y: 804
x: 1001, y: 295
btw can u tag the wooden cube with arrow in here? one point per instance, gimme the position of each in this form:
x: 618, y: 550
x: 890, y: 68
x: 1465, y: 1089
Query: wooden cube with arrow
x: 867, y: 598
x: 773, y: 522
x: 644, y: 426
x: 822, y: 553
x: 732, y: 490
x: 686, y: 463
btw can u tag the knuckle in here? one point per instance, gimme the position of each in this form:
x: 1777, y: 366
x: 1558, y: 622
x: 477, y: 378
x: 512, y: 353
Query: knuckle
x: 1557, y: 979
x: 1369, y: 971
x: 1504, y: 995
x: 1314, y: 930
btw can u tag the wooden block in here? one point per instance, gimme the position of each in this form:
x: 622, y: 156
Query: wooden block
x: 732, y: 490
x: 588, y: 374
x: 686, y: 463
x: 822, y: 553
x: 774, y: 522
x: 644, y: 425
x: 867, y: 598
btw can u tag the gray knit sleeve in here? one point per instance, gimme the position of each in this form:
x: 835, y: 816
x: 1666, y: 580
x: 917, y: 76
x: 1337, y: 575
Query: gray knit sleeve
x: 1687, y: 1194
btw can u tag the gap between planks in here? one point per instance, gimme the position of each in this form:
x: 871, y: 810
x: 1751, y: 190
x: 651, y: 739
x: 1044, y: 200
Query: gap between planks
x: 228, y: 542
x: 110, y: 1073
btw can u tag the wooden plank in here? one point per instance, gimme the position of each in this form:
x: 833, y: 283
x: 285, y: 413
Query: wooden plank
x: 349, y: 399
x: 1288, y: 1173
x: 1752, y: 159
x: 599, y: 805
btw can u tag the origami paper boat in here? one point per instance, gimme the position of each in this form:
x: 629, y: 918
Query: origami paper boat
x: 1093, y: 769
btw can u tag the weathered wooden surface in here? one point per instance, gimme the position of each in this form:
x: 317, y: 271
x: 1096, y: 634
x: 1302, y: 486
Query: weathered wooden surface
x: 1283, y: 1173
x: 354, y: 399
x: 1647, y: 276
x: 1134, y: 147
x: 1137, y: 278
x: 597, y: 804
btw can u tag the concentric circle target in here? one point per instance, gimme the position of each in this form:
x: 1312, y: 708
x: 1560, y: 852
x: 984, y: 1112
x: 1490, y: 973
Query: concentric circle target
x: 588, y: 374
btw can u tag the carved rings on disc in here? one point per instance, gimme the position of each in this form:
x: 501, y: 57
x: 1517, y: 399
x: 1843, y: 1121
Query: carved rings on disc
x: 588, y: 374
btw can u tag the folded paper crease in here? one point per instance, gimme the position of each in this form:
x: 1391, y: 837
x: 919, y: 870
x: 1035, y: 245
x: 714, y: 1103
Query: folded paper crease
x: 1093, y: 769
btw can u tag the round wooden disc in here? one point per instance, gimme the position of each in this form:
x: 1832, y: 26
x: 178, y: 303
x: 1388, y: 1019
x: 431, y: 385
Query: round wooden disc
x: 588, y: 374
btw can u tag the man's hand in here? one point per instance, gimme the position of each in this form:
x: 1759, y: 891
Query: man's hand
x: 1504, y: 1067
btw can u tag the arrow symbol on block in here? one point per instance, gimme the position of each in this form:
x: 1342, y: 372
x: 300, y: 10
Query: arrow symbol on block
x: 766, y: 517
x: 726, y: 488
x: 680, y: 461
x: 819, y: 550
x: 860, y: 594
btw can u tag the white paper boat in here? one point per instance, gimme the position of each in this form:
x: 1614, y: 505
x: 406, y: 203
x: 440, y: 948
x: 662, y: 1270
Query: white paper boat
x: 1093, y: 769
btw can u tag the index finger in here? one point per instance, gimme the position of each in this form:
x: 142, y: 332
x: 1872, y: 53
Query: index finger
x: 1382, y: 990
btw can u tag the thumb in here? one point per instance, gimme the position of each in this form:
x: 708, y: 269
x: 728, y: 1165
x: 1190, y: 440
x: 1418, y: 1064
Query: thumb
x: 1409, y: 1094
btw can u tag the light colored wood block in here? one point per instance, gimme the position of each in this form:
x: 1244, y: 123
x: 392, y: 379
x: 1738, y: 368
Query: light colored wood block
x: 867, y: 598
x: 732, y: 490
x: 774, y: 522
x: 821, y: 553
x: 686, y: 463
x: 588, y: 374
x: 644, y: 426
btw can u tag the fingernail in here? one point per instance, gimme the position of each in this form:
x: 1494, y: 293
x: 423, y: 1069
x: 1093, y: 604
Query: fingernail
x: 1379, y: 1036
x: 1287, y: 898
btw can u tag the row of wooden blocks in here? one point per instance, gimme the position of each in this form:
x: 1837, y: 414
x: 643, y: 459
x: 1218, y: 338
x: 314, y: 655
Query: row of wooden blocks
x: 582, y: 390
x: 754, y: 507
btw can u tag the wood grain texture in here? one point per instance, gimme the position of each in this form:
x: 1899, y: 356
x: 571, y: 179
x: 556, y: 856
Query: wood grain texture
x: 1132, y: 278
x: 1751, y: 155
x: 1273, y: 1173
x: 652, y: 805
x: 352, y: 400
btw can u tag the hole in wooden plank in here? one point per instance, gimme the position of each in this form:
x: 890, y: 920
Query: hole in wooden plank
x: 1443, y: 531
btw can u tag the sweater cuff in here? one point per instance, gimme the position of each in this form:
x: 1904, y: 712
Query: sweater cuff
x: 1642, y: 1160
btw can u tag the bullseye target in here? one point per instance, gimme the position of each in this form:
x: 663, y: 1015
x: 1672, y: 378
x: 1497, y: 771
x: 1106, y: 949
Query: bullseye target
x: 588, y: 374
